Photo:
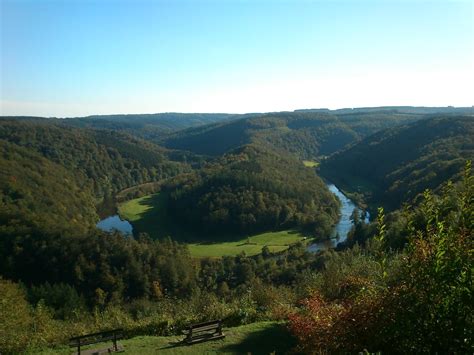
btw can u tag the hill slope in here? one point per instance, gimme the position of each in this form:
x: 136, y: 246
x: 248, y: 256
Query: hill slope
x: 307, y: 135
x: 39, y: 195
x: 399, y: 163
x: 253, y: 190
x: 53, y: 176
x: 150, y: 126
x: 107, y: 161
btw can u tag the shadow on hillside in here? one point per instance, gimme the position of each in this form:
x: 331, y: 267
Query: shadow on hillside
x: 156, y: 221
x: 159, y: 224
x: 273, y: 339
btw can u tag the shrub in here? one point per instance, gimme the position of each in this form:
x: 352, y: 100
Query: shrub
x: 16, y: 320
x: 419, y: 301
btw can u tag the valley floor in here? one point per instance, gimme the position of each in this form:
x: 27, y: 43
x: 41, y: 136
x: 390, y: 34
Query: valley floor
x: 256, y: 338
x: 148, y: 214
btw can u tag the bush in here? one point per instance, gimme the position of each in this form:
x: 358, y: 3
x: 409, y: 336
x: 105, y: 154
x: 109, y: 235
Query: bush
x: 16, y: 320
x: 419, y: 301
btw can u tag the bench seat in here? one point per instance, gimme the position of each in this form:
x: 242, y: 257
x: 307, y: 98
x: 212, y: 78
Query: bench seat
x: 203, y: 331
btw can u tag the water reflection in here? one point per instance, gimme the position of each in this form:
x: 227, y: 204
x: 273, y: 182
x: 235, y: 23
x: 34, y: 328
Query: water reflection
x: 342, y: 228
x: 115, y: 223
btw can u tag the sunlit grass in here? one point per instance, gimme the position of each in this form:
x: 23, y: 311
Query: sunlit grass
x: 149, y: 214
x: 276, y: 241
x: 310, y: 163
x: 133, y: 209
x: 256, y: 338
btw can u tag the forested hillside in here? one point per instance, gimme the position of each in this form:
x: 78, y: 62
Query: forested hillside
x: 65, y: 278
x: 393, y: 166
x: 150, y: 126
x: 38, y: 195
x: 53, y: 177
x: 418, y: 298
x: 418, y: 110
x: 252, y: 190
x: 104, y: 161
x: 308, y: 135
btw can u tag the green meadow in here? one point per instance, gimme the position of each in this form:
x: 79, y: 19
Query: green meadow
x: 149, y: 214
x: 310, y: 163
x: 276, y: 241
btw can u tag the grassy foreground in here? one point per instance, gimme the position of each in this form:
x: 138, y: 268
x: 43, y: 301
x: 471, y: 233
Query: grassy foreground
x: 149, y: 214
x: 256, y: 338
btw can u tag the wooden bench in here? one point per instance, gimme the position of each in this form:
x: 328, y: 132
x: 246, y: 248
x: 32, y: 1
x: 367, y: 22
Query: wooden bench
x: 100, y: 337
x: 203, y: 332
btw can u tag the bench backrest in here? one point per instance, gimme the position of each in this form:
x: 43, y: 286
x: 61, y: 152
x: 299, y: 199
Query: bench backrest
x: 212, y: 323
x: 96, y: 337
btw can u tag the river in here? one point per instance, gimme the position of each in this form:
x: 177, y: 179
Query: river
x: 115, y: 223
x: 338, y: 235
x: 342, y: 228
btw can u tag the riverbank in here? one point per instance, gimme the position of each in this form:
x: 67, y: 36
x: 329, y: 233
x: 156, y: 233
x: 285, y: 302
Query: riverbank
x: 147, y: 214
x: 342, y: 228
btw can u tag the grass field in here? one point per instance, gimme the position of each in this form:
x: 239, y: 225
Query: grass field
x: 149, y: 214
x: 310, y: 163
x: 276, y: 241
x: 256, y: 338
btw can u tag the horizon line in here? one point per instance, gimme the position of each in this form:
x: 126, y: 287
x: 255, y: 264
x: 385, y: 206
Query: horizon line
x: 246, y: 113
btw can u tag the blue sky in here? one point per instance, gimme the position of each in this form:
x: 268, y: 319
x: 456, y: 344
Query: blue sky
x: 74, y: 58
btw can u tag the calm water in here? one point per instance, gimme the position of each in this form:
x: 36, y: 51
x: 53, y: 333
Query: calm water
x: 114, y: 222
x: 342, y: 227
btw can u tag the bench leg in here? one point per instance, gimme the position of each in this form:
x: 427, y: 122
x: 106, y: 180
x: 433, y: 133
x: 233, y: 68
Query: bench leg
x: 79, y: 349
x: 115, y: 342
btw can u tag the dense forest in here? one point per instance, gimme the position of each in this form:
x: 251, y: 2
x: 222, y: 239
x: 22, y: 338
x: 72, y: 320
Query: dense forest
x: 53, y: 177
x: 105, y: 161
x: 402, y: 283
x: 38, y: 194
x: 395, y: 165
x: 307, y: 135
x: 150, y: 126
x: 418, y: 110
x: 415, y: 298
x: 252, y: 190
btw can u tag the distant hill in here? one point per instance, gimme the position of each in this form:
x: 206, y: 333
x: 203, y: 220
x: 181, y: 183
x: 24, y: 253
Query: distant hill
x: 394, y: 165
x: 147, y: 126
x: 308, y: 135
x: 150, y: 126
x: 419, y: 110
x: 208, y: 133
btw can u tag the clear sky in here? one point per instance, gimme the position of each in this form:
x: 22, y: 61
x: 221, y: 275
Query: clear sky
x: 75, y: 58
